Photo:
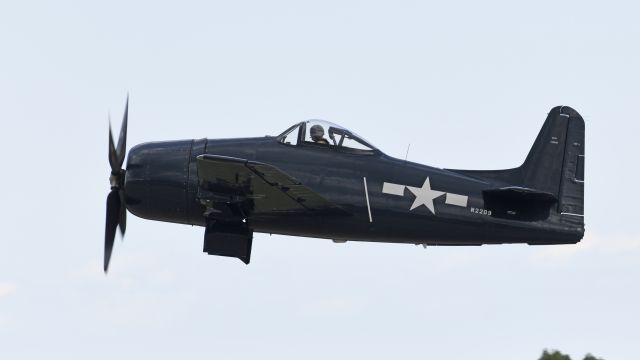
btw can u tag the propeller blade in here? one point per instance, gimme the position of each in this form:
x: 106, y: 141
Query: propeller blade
x: 122, y: 221
x: 113, y: 213
x: 122, y: 140
x: 116, y: 206
x: 113, y: 156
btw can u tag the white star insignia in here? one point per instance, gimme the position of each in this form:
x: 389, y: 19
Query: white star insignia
x: 424, y: 196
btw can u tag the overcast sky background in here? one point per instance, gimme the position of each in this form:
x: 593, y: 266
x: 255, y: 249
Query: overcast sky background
x: 467, y: 84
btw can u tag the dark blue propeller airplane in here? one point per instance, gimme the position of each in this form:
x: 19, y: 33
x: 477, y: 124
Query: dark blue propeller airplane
x: 318, y: 179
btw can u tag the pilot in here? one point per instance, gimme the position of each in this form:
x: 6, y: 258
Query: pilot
x: 317, y: 135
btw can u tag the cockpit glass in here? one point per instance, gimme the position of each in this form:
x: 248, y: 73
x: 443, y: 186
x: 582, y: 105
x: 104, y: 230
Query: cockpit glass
x: 323, y: 133
x: 290, y: 136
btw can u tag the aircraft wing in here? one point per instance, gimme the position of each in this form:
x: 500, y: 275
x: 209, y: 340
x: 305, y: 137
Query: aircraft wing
x: 249, y: 187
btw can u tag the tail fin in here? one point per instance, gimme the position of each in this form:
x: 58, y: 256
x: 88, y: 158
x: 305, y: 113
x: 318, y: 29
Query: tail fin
x: 554, y: 165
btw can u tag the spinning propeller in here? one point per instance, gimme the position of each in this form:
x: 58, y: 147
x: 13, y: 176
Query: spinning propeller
x: 116, y: 207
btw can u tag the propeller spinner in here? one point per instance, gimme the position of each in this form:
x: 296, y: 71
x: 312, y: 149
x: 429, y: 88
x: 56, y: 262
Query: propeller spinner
x: 116, y: 207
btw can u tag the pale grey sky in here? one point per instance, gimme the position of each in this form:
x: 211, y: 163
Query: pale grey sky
x: 468, y: 84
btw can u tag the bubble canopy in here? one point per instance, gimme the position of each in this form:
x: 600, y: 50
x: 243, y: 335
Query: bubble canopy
x: 323, y: 133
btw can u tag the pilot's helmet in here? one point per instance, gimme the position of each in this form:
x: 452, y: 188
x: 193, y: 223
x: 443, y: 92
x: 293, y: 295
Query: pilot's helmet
x: 316, y: 132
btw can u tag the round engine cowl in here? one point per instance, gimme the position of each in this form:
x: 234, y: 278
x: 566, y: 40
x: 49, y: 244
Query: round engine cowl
x: 157, y: 179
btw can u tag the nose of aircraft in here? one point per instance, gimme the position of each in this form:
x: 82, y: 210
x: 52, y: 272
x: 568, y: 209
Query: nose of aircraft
x: 156, y: 180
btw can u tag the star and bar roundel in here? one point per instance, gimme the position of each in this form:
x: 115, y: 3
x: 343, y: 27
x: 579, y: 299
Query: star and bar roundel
x: 425, y: 195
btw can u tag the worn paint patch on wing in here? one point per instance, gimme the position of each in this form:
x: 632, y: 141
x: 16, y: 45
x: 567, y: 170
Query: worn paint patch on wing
x: 393, y: 189
x: 455, y: 199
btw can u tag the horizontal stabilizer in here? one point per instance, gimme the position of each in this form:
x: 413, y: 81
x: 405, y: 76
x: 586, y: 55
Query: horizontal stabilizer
x: 519, y: 203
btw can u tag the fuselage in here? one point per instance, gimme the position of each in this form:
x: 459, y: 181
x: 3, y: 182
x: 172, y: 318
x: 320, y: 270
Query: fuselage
x: 161, y: 184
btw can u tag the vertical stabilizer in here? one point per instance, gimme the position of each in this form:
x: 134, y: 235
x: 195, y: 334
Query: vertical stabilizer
x: 555, y: 163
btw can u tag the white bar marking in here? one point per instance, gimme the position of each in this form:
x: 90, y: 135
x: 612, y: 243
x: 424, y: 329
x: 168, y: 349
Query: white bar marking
x: 457, y: 200
x: 392, y: 189
x: 366, y: 194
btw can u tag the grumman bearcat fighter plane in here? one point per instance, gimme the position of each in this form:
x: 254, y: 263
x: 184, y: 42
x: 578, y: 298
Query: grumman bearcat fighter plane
x: 318, y: 179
